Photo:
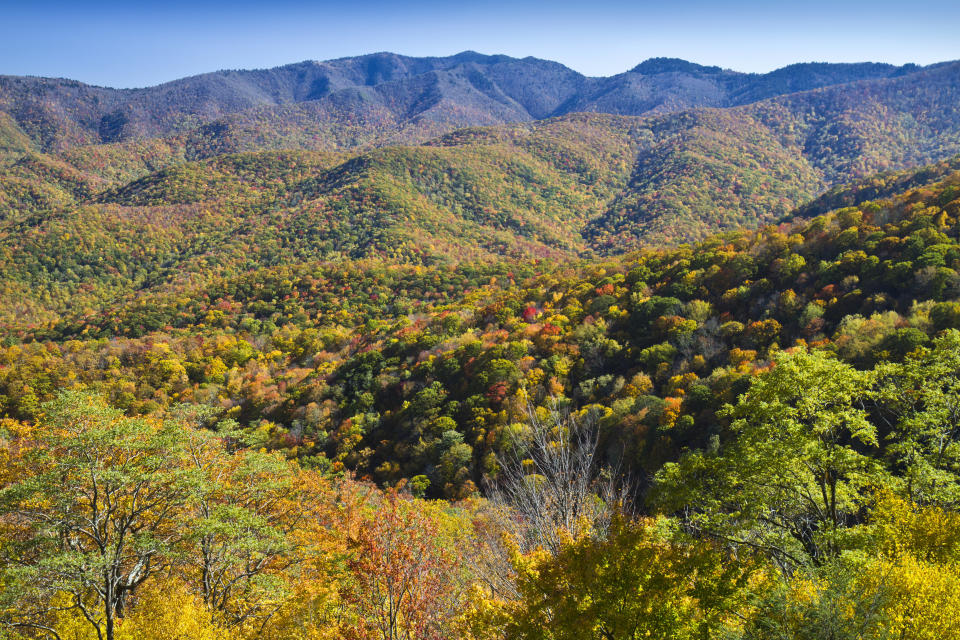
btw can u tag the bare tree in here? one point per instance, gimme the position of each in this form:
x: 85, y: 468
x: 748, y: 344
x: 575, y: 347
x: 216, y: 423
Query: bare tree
x: 554, y: 481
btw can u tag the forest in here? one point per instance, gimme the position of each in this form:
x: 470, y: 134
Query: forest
x: 751, y: 437
x: 688, y: 374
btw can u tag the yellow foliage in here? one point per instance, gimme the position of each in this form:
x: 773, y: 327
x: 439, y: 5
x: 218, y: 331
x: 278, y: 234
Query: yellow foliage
x: 70, y: 624
x: 314, y: 612
x: 166, y: 610
x: 928, y: 533
x: 677, y: 385
x: 639, y: 384
x: 163, y: 610
x: 535, y: 376
x: 920, y: 600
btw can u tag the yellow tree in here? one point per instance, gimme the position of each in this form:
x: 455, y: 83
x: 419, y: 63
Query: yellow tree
x: 628, y: 585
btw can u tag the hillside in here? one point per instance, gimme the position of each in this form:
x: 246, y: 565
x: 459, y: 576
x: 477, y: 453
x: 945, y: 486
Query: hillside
x: 104, y: 227
x: 299, y: 371
x: 617, y: 182
x: 382, y: 98
x: 507, y: 199
x: 722, y: 169
x: 362, y: 362
x: 878, y: 186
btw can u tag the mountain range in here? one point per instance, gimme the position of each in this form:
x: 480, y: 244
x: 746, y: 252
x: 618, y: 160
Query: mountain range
x: 406, y: 99
x: 478, y: 347
x: 109, y: 196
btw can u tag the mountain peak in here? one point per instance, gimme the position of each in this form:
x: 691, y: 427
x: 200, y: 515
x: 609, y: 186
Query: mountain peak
x: 474, y: 56
x: 653, y: 66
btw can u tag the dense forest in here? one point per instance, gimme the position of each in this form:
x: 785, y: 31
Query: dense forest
x: 688, y: 374
x: 756, y: 435
x: 389, y: 98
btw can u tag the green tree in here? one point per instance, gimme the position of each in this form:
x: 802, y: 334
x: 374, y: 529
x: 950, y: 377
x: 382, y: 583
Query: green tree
x: 797, y: 468
x: 922, y: 395
x: 241, y: 530
x: 92, y: 512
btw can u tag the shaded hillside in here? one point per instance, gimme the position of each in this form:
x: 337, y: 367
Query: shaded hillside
x: 711, y: 169
x: 554, y: 188
x: 722, y: 169
x: 875, y: 187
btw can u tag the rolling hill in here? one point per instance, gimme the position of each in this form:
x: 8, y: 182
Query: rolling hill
x: 93, y: 226
x: 371, y: 363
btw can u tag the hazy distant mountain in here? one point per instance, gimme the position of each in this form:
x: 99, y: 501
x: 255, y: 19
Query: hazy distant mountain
x: 385, y: 97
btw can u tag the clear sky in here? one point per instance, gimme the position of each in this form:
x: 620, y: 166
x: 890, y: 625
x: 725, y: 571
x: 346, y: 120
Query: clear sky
x: 130, y: 43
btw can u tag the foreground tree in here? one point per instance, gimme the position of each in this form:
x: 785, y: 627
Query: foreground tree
x: 406, y: 582
x: 920, y: 398
x: 91, y: 513
x: 554, y: 481
x: 240, y: 539
x: 901, y: 585
x: 634, y: 583
x: 799, y: 468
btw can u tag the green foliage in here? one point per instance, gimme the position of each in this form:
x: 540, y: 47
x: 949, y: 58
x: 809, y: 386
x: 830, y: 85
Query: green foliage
x: 788, y: 394
x: 922, y: 395
x: 366, y: 365
x: 799, y: 465
x: 92, y: 511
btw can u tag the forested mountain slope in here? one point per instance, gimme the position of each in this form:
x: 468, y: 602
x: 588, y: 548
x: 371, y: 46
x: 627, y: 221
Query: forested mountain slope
x: 612, y: 182
x: 101, y: 227
x: 401, y: 371
x: 387, y: 97
x: 306, y: 353
x: 716, y: 169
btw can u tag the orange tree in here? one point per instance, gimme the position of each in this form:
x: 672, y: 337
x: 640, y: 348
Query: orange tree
x: 405, y: 582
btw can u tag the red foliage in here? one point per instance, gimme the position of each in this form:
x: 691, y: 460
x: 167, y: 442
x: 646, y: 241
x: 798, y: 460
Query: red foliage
x: 497, y: 392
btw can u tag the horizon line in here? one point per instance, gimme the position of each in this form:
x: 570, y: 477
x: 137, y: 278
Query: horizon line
x: 466, y: 52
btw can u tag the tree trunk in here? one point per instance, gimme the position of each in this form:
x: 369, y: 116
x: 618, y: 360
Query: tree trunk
x: 108, y: 608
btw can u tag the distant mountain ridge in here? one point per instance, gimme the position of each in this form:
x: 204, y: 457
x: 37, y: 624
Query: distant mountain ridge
x: 400, y: 98
x: 550, y: 187
x: 380, y: 158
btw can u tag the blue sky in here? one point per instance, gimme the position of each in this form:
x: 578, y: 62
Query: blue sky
x: 128, y: 44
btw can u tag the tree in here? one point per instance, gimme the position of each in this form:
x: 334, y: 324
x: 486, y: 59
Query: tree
x: 554, y: 481
x: 818, y: 604
x: 241, y: 529
x: 91, y: 513
x: 797, y: 469
x: 406, y: 587
x: 635, y: 583
x: 921, y: 396
x: 902, y: 586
